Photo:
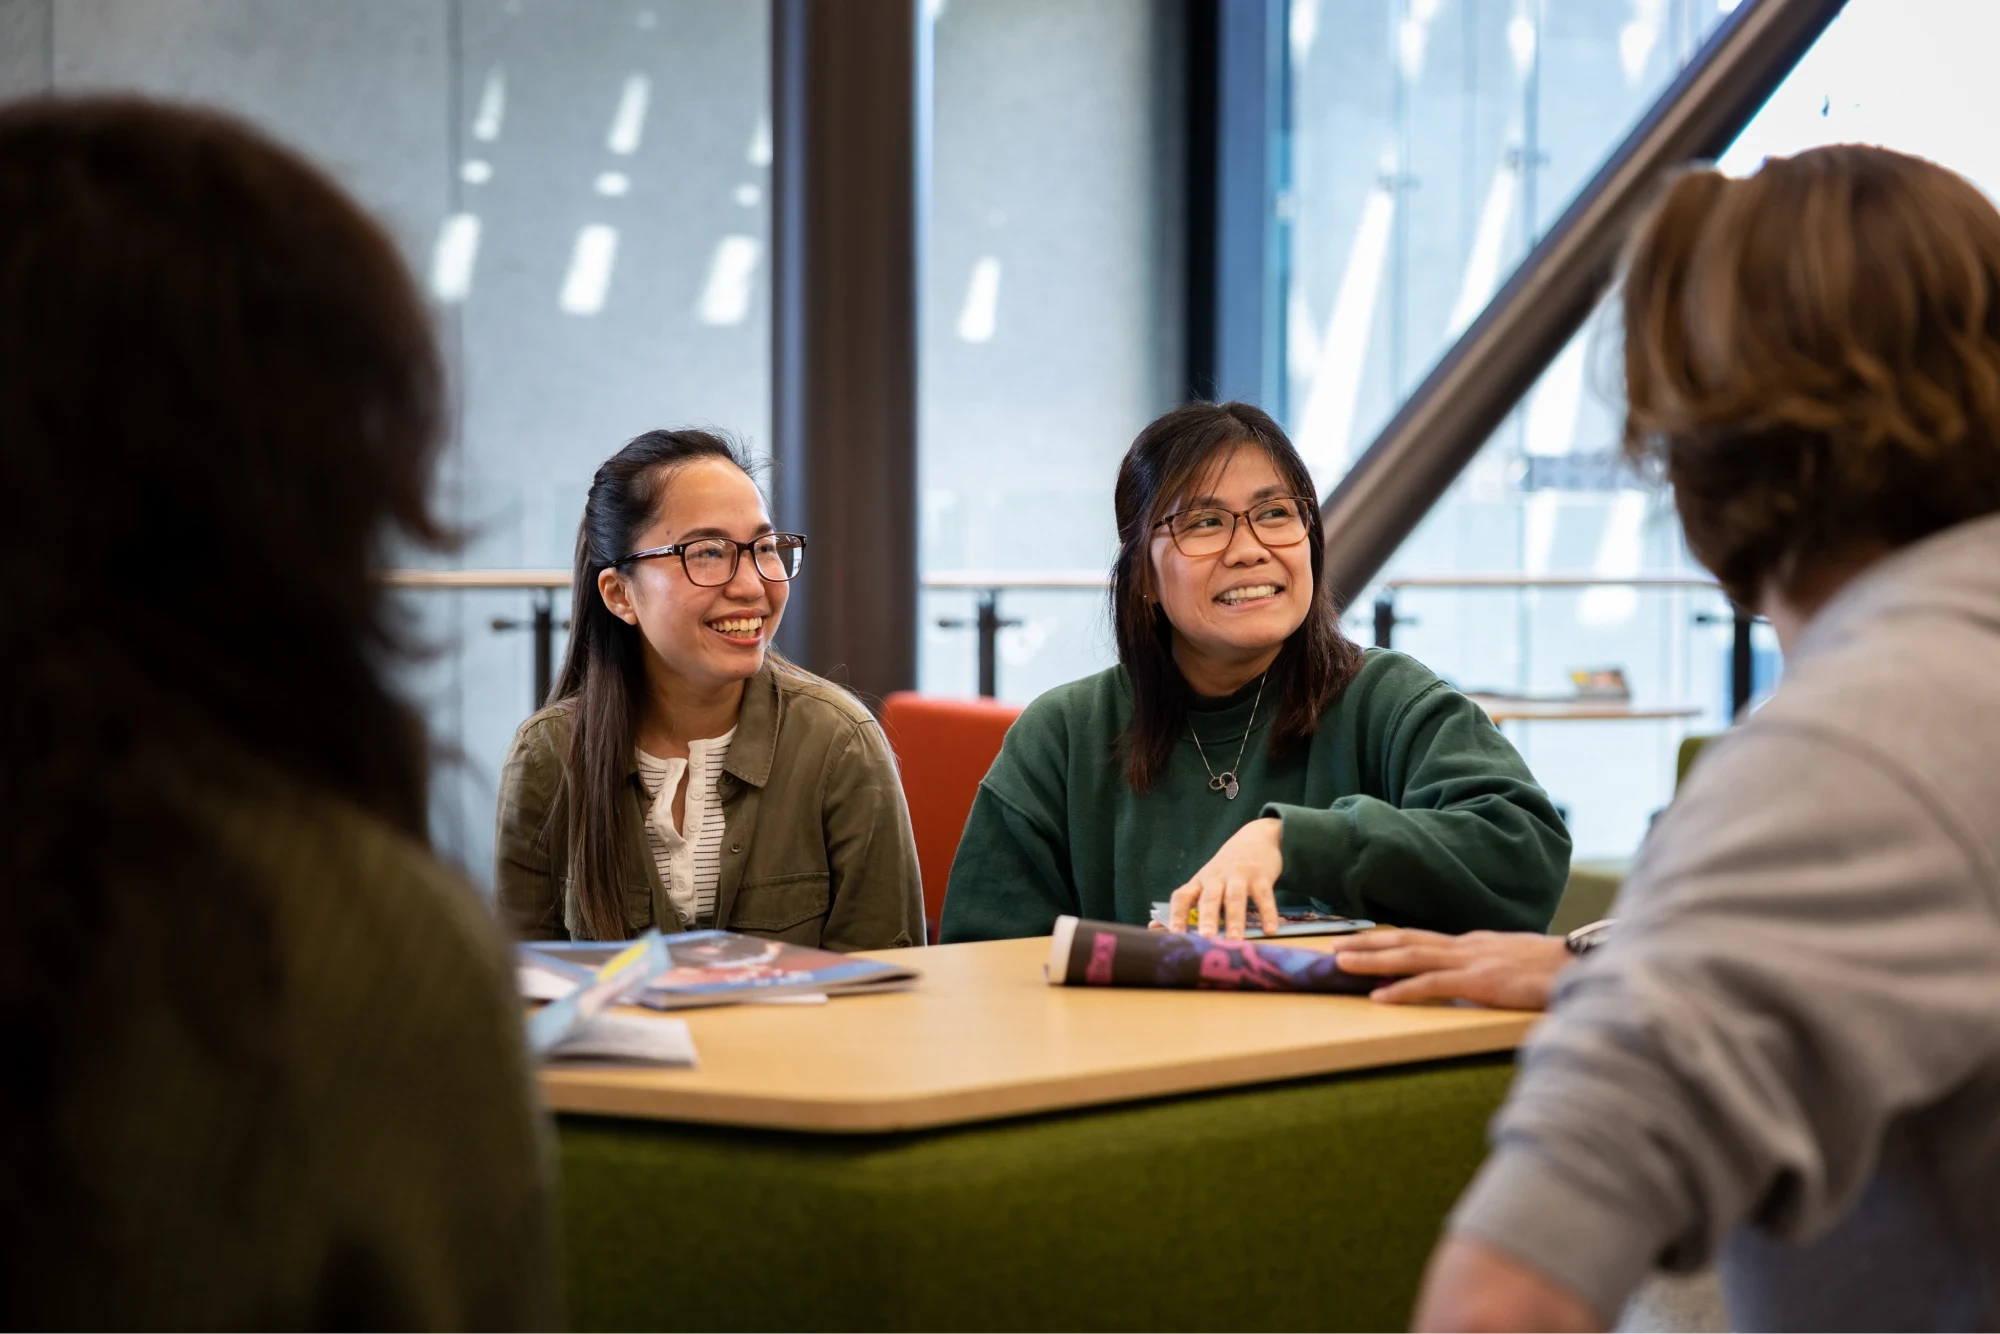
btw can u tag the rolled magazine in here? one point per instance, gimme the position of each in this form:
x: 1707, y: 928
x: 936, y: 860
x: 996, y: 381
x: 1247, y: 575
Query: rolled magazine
x: 1110, y: 954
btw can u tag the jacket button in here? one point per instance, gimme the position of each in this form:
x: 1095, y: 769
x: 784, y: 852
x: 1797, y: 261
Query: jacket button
x: 736, y: 847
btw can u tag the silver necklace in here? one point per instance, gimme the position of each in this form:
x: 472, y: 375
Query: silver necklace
x: 1225, y: 782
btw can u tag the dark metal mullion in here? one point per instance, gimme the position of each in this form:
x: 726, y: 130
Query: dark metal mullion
x: 850, y: 115
x: 1473, y: 387
x: 1236, y: 136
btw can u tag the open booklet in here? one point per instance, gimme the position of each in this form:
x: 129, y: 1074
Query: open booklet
x: 573, y: 1024
x: 1293, y: 921
x: 1110, y: 954
x: 697, y: 968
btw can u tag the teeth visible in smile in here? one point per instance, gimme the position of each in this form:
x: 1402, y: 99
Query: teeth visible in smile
x: 738, y: 625
x: 1246, y: 594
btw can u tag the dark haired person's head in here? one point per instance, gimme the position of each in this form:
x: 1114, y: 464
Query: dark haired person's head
x: 1219, y: 579
x: 1812, y: 360
x: 219, y: 401
x: 680, y: 583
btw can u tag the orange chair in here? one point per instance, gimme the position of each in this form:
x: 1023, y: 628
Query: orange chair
x: 944, y: 747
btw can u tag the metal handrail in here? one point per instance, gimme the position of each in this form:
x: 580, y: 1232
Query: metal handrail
x: 1042, y: 579
x: 988, y: 585
x: 1502, y: 580
x: 1060, y: 580
x: 477, y: 578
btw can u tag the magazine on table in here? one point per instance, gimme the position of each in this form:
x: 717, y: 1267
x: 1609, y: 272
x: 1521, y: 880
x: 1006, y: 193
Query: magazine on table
x: 1310, y: 920
x: 569, y: 1016
x: 1111, y: 954
x: 726, y: 968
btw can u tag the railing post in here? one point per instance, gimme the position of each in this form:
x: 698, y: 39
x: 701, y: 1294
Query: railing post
x: 1742, y: 660
x: 545, y: 644
x: 1385, y: 618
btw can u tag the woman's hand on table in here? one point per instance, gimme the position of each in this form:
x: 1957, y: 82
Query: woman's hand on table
x: 1509, y: 970
x: 1243, y: 871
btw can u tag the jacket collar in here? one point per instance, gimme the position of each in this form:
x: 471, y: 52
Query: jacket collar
x: 756, y: 741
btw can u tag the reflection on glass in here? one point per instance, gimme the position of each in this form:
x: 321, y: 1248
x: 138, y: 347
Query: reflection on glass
x: 1051, y: 316
x: 582, y: 188
x: 1498, y: 136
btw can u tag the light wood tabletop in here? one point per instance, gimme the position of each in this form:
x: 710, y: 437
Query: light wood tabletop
x: 981, y: 1036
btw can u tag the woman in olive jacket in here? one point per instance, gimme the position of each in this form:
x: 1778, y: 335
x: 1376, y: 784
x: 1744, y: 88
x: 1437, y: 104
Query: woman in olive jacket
x: 719, y: 785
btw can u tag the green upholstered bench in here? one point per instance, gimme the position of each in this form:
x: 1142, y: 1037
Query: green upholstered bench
x: 1304, y: 1205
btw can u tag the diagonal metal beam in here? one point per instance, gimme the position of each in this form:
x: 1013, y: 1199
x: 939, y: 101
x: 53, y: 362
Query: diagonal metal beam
x: 1470, y: 392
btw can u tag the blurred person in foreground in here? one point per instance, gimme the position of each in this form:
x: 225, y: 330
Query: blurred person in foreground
x: 263, y: 1062
x: 1787, y: 1051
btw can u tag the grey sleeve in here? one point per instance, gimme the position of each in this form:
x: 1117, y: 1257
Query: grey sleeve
x: 1805, y: 952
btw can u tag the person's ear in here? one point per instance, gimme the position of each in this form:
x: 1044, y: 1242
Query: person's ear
x: 617, y: 595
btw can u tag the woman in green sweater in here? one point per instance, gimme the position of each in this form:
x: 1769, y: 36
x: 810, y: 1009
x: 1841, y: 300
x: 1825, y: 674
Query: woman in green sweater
x: 1244, y: 752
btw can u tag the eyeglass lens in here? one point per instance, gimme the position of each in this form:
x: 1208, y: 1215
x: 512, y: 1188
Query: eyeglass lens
x: 1280, y: 522
x: 713, y: 563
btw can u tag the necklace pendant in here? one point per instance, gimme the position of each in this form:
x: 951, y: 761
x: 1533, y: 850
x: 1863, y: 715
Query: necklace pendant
x: 1229, y: 786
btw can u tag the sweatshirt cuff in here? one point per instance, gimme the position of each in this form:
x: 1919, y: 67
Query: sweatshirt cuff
x: 1520, y: 1205
x: 1317, y: 845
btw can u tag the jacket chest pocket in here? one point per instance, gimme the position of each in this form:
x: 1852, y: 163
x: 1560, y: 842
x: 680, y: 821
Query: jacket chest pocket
x: 790, y: 906
x: 638, y: 903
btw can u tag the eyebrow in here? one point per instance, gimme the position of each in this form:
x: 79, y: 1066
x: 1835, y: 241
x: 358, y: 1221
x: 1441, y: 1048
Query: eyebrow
x: 697, y: 534
x: 1215, y: 502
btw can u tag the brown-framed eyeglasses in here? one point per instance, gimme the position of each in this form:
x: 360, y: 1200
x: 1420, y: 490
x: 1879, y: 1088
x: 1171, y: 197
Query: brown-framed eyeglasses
x: 711, y: 562
x: 1281, y: 521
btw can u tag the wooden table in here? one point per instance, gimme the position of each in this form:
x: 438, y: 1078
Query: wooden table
x: 985, y: 1151
x: 982, y: 1036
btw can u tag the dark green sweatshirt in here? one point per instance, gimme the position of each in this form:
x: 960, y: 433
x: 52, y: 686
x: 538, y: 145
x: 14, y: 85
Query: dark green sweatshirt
x: 1406, y: 806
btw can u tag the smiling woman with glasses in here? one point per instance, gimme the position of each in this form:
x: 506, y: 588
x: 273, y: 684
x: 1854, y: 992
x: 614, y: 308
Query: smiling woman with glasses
x: 1244, y: 754
x: 684, y: 775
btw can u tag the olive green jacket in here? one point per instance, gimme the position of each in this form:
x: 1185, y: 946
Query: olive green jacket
x: 817, y: 848
x: 376, y: 1159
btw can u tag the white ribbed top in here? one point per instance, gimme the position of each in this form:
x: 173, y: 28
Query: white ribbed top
x: 690, y: 865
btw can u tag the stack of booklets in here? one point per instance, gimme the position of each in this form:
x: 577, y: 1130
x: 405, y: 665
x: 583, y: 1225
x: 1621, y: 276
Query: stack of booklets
x: 1111, y: 954
x: 698, y: 968
x: 574, y: 1023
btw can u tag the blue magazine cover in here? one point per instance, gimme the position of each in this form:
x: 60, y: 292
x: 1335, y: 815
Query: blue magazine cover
x: 724, y: 967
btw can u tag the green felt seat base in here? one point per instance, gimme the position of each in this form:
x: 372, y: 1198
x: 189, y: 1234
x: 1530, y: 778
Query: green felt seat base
x: 1308, y: 1205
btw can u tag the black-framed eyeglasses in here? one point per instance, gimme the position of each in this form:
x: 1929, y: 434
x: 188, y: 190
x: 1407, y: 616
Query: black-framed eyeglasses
x: 1281, y: 521
x: 711, y: 562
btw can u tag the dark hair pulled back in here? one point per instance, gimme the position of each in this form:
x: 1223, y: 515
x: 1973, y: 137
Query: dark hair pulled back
x: 604, y: 671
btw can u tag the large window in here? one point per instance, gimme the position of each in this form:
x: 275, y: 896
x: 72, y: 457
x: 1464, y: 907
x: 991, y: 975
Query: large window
x: 583, y: 188
x: 1433, y: 141
x: 1053, y: 313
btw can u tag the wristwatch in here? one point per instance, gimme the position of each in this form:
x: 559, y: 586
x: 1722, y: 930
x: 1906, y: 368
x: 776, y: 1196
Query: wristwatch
x: 1587, y: 938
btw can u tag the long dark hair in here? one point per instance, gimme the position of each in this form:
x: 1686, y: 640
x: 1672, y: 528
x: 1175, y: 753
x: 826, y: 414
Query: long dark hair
x: 219, y: 400
x: 1166, y: 463
x: 604, y: 671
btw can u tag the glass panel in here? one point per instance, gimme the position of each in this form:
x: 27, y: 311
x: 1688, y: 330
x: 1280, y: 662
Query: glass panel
x: 1052, y: 315
x: 1432, y: 141
x: 1545, y: 496
x: 584, y: 190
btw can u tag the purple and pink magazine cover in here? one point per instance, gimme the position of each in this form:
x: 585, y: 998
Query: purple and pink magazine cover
x: 1109, y: 954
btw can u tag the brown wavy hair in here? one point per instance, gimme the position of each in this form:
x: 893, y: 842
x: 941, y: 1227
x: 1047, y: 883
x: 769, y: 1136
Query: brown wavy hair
x: 1812, y: 358
x: 220, y: 404
x: 1167, y: 461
